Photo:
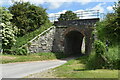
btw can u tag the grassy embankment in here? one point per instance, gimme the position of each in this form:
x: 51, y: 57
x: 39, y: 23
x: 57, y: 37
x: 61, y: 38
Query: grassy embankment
x: 27, y: 37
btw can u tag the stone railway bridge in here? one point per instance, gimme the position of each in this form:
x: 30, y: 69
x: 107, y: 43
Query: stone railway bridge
x: 68, y: 37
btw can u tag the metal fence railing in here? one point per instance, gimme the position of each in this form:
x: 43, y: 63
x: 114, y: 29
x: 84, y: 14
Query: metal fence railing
x: 82, y: 15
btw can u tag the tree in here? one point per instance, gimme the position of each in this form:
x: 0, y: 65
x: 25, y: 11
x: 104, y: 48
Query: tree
x: 8, y: 30
x: 109, y: 28
x: 69, y: 15
x: 117, y: 11
x: 27, y: 17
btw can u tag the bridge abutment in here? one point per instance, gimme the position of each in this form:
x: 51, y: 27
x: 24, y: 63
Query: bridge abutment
x: 66, y: 37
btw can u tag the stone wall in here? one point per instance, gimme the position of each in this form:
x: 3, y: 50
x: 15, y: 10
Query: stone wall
x: 59, y: 40
x: 43, y: 42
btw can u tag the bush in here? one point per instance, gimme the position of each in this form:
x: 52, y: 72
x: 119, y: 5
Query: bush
x: 108, y: 60
x: 113, y: 58
x: 19, y: 51
x: 8, y: 30
x: 95, y: 62
x: 97, y: 59
x: 8, y: 36
x: 108, y: 29
x: 99, y: 47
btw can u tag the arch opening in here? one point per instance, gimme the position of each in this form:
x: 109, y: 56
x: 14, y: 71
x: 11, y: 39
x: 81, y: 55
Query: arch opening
x: 73, y: 43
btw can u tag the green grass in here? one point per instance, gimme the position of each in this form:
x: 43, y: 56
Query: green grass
x: 27, y: 37
x: 31, y: 57
x: 76, y: 69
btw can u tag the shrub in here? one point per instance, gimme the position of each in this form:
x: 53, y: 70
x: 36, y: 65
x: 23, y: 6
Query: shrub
x: 108, y: 60
x: 8, y: 30
x: 19, y: 51
x: 8, y: 36
x: 97, y: 59
x: 95, y: 62
x: 113, y: 58
x: 99, y: 47
x: 108, y: 29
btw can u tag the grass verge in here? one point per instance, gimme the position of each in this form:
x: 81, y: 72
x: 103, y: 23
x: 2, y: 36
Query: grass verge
x: 31, y: 57
x: 76, y: 69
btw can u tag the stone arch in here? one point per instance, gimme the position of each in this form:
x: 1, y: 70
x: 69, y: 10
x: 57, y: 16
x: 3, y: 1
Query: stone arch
x: 73, y: 39
x: 82, y: 31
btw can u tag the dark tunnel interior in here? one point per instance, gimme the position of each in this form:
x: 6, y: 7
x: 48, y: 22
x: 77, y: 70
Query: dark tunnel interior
x: 73, y: 42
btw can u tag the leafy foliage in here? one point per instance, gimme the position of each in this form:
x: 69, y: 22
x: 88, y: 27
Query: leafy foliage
x: 5, y: 15
x: 69, y: 15
x: 28, y: 17
x: 8, y: 37
x: 113, y: 58
x: 111, y: 62
x: 99, y: 47
x: 8, y: 30
x: 117, y: 11
x: 103, y: 59
x: 109, y: 28
x: 17, y: 51
x: 97, y: 60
